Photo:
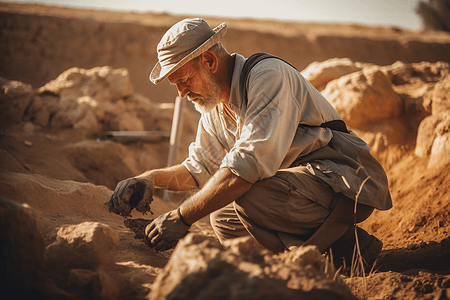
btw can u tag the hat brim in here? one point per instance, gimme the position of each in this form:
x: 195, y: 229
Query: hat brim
x: 159, y: 73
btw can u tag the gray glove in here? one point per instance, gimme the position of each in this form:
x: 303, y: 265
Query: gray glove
x: 131, y: 193
x: 165, y: 231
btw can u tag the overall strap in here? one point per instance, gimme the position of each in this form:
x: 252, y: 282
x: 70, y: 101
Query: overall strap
x: 248, y: 65
x: 338, y: 125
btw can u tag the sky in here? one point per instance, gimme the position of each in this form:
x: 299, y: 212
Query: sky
x: 369, y: 12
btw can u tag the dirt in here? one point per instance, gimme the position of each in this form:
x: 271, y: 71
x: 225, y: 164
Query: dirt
x: 35, y: 166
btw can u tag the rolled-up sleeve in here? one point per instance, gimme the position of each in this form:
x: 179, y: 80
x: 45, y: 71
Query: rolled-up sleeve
x: 205, y: 154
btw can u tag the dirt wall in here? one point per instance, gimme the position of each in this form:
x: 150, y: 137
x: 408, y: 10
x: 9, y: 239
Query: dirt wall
x: 37, y: 43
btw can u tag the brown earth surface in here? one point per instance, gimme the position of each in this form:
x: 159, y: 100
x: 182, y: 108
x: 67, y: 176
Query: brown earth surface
x: 39, y: 166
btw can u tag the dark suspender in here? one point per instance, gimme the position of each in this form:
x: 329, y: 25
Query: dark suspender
x: 338, y: 125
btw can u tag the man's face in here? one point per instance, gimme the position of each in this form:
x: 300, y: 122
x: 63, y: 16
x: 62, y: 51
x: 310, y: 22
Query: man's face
x: 197, y: 84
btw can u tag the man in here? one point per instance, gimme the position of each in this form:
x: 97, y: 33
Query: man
x: 267, y: 159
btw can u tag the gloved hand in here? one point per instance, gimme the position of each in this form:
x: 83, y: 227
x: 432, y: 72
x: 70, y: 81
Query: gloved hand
x: 131, y: 193
x: 165, y: 231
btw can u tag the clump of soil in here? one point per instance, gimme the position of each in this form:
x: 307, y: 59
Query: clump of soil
x: 137, y: 226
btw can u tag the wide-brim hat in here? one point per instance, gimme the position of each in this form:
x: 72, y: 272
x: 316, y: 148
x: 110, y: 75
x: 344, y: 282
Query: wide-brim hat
x: 181, y: 43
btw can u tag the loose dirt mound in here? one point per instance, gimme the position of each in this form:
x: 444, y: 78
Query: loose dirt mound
x: 54, y: 158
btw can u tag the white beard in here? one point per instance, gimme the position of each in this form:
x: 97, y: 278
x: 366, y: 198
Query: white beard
x: 204, y: 107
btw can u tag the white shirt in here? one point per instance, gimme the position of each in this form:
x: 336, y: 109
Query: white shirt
x: 265, y: 136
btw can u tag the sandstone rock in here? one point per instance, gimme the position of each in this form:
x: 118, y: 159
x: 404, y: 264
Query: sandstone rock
x: 440, y: 97
x: 82, y: 260
x: 364, y: 97
x: 15, y: 97
x: 99, y: 83
x: 87, y: 246
x: 119, y: 83
x: 320, y: 73
x: 419, y: 80
x: 202, y: 268
x: 87, y: 122
x: 42, y: 107
x: 77, y: 96
x: 400, y: 73
x: 19, y: 233
x: 440, y: 151
x: 22, y: 259
x: 432, y: 139
x: 426, y: 135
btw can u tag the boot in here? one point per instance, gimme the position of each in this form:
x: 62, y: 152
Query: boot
x: 342, y: 250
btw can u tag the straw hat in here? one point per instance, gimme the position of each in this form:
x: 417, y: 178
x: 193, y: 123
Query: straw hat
x: 182, y: 42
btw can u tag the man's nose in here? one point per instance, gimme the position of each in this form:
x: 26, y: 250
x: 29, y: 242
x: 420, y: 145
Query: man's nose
x: 182, y: 90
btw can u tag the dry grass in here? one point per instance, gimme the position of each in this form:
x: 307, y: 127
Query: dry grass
x: 357, y: 268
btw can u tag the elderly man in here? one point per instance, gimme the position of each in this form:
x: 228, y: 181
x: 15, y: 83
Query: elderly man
x: 272, y: 158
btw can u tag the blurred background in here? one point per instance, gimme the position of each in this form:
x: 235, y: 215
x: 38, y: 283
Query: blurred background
x: 41, y: 39
x: 382, y: 12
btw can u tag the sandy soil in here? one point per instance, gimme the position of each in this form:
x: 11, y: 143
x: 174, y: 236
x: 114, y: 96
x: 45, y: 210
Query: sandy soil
x: 37, y: 167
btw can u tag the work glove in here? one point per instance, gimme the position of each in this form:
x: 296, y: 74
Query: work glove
x: 131, y: 193
x: 165, y: 231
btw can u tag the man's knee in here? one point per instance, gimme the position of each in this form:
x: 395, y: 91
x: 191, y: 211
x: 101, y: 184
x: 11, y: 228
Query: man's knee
x: 344, y: 210
x: 226, y: 223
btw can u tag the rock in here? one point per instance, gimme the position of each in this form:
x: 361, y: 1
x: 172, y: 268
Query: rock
x: 74, y: 99
x: 42, y: 107
x: 364, y: 97
x: 119, y: 83
x: 87, y: 245
x: 82, y: 260
x: 87, y: 122
x: 412, y: 246
x: 92, y: 101
x: 99, y: 83
x: 202, y: 268
x: 419, y: 78
x: 22, y: 260
x: 78, y: 114
x: 424, y: 72
x: 401, y: 73
x: 441, y: 97
x: 15, y: 97
x: 19, y: 233
x: 440, y: 151
x: 433, y: 139
x: 320, y: 73
x: 426, y: 135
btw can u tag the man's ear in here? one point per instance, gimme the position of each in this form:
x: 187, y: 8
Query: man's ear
x: 210, y: 61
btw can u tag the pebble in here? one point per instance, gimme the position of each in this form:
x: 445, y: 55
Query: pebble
x: 412, y: 246
x: 28, y: 143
